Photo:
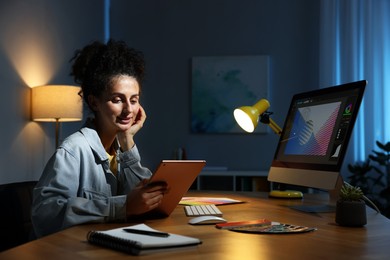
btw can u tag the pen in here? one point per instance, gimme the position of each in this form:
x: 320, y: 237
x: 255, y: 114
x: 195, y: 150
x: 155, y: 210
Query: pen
x: 146, y: 232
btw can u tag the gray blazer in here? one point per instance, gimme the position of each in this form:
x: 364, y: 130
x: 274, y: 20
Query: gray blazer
x: 77, y: 185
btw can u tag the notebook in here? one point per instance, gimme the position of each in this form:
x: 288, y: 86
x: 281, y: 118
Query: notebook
x: 179, y: 175
x: 137, y: 244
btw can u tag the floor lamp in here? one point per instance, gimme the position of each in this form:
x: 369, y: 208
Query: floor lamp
x: 56, y: 103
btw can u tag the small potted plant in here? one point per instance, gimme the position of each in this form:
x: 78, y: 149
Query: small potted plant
x: 351, y: 207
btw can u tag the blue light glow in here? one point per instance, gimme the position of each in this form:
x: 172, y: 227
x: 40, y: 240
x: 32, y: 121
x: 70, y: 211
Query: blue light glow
x: 107, y: 20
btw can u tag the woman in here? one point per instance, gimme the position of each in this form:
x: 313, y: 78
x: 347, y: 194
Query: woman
x: 95, y: 175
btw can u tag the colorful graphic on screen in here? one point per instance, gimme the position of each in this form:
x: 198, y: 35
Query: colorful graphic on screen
x: 348, y: 110
x: 312, y: 129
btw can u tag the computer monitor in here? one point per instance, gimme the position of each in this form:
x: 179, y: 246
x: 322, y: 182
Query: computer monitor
x: 315, y: 136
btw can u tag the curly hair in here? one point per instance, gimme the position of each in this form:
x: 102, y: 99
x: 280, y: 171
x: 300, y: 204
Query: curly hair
x: 97, y: 64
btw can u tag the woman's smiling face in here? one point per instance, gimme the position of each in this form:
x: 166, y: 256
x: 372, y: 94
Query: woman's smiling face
x: 118, y: 107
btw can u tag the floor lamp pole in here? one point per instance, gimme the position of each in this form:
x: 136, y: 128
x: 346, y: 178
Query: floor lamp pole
x: 57, y: 131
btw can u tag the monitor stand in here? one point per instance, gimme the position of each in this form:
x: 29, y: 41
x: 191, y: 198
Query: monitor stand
x: 323, y: 208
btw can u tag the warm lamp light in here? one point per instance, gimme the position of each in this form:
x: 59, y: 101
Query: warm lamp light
x: 56, y: 103
x: 247, y: 117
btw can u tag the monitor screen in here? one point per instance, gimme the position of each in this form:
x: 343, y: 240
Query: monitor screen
x: 315, y: 136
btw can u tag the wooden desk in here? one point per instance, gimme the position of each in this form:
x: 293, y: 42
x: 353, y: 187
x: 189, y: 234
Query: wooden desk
x: 328, y: 242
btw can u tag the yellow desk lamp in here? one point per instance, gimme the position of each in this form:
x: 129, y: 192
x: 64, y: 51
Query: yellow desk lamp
x: 248, y: 117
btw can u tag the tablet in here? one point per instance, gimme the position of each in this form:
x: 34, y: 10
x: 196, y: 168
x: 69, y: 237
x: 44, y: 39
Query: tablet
x: 179, y: 176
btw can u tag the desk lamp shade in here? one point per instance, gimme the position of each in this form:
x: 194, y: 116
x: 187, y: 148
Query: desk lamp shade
x: 56, y: 103
x: 247, y: 117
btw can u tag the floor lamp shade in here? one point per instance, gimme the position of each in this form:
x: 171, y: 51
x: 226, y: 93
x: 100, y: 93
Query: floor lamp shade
x: 56, y: 103
x: 59, y: 103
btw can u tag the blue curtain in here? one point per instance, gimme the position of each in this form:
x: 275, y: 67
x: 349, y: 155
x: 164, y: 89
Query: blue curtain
x: 355, y: 45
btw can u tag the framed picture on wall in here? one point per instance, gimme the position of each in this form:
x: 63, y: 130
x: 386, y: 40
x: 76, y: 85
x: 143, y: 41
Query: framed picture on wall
x: 222, y: 83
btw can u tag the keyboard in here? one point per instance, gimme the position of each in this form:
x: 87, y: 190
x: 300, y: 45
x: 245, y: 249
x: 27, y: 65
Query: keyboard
x: 202, y: 210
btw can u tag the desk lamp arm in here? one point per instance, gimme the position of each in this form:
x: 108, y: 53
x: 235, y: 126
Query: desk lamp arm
x: 265, y: 119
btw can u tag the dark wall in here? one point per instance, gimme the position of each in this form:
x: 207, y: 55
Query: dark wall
x: 38, y: 37
x: 171, y: 32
